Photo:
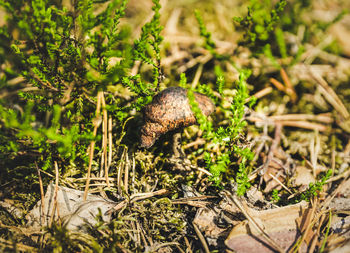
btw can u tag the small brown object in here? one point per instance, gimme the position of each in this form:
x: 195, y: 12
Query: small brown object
x: 170, y: 110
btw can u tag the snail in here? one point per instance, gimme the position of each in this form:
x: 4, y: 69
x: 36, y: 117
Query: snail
x: 170, y: 110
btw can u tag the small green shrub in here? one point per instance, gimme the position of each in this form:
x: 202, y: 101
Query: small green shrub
x: 229, y: 138
x: 66, y: 55
x: 315, y: 188
x: 259, y: 23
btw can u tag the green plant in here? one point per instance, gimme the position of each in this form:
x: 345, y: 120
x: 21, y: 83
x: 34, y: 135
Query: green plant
x: 275, y: 195
x: 315, y: 188
x: 261, y: 19
x: 229, y: 137
x: 209, y: 43
x: 66, y: 55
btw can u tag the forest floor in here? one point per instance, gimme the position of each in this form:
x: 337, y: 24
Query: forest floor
x: 161, y: 199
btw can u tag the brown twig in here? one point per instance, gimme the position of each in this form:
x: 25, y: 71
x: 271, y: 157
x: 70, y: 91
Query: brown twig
x: 261, y: 93
x: 289, y: 87
x: 280, y: 183
x: 201, y: 238
x: 278, y: 84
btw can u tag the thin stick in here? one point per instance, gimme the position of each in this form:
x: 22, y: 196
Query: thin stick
x: 204, y: 171
x: 305, y: 125
x: 55, y: 206
x: 92, y: 146
x: 262, y: 93
x: 341, y: 188
x: 289, y: 87
x: 133, y: 170
x: 201, y: 238
x: 188, y: 245
x: 197, y: 76
x: 280, y: 183
x: 42, y: 196
x: 120, y: 172
x: 126, y: 172
x: 278, y: 84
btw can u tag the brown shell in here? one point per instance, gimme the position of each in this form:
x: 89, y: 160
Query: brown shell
x: 170, y: 110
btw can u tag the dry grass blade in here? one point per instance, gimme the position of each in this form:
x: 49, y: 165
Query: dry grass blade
x: 295, y: 120
x: 305, y: 125
x: 18, y: 246
x: 92, y: 145
x: 110, y: 142
x: 314, y: 240
x: 105, y: 137
x: 55, y: 206
x: 307, y: 220
x: 330, y: 95
x: 323, y: 118
x: 200, y: 59
x: 188, y: 245
x: 197, y: 76
x: 126, y: 173
x: 42, y: 195
x: 120, y: 171
x: 342, y: 187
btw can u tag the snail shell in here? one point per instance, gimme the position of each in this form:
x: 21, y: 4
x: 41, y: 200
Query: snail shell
x: 170, y: 110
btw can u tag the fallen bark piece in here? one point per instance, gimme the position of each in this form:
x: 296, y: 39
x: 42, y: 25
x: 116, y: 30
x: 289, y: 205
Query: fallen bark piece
x: 279, y: 224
